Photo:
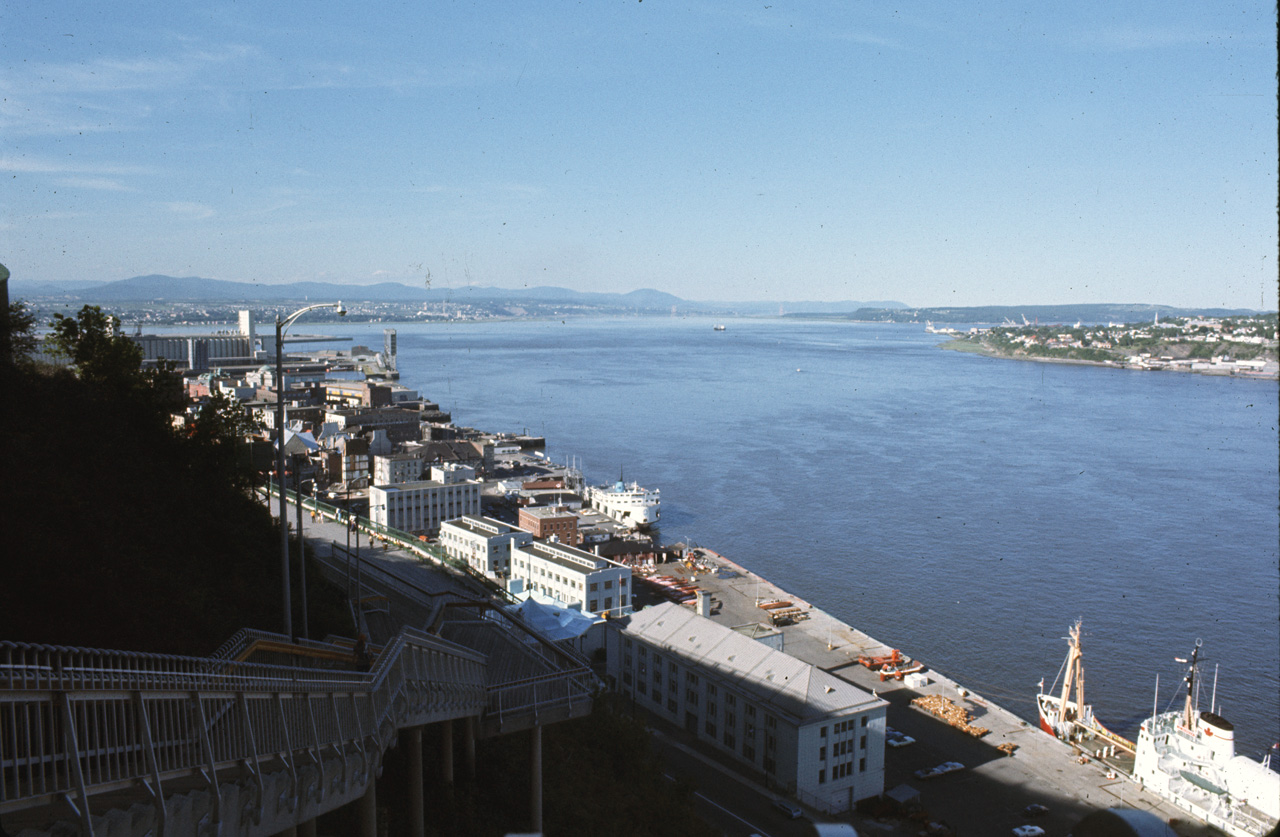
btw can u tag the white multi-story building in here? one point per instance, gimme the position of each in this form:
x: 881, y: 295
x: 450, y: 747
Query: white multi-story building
x: 819, y: 737
x: 485, y: 544
x: 576, y: 578
x: 420, y: 507
x: 399, y: 468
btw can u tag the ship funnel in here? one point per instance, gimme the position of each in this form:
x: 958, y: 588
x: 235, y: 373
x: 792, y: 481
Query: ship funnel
x: 1219, y: 734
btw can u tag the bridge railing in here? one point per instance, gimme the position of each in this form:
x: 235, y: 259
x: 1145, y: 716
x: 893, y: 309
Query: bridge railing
x: 77, y: 722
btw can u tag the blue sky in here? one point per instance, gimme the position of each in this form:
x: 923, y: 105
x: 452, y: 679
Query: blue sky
x: 933, y: 153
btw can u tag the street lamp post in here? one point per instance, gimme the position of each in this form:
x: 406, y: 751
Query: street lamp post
x: 281, y: 327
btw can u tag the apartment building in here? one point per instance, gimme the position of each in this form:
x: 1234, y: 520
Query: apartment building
x: 420, y: 507
x: 578, y: 579
x: 819, y: 737
x: 484, y: 544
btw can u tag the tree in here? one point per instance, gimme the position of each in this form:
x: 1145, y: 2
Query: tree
x: 18, y: 334
x: 92, y: 341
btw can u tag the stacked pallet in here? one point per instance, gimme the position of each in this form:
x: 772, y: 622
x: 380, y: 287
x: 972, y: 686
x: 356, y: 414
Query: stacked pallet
x: 956, y: 716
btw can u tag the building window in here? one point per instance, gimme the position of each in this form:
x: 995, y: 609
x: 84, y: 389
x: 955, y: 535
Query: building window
x: 671, y: 705
x: 864, y: 720
x: 591, y: 587
x: 770, y: 722
x: 711, y: 728
x: 822, y: 753
x: 748, y: 751
x: 822, y: 733
x: 691, y: 678
x: 626, y: 677
x: 673, y: 668
x: 591, y: 605
x: 822, y: 776
x: 691, y: 697
x: 608, y: 584
x: 711, y: 689
x: 731, y: 701
x: 751, y: 711
x: 863, y: 743
x: 644, y: 651
x: 728, y: 739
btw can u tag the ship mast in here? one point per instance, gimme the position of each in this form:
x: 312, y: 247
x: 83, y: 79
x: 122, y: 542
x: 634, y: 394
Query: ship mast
x: 1189, y: 712
x: 1074, y: 675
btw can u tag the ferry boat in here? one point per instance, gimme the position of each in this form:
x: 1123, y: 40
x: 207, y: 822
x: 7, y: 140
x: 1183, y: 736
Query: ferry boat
x: 717, y: 327
x: 630, y: 505
x: 1189, y: 758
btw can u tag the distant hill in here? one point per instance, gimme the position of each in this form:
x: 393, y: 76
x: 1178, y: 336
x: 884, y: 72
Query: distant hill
x: 1092, y: 313
x: 161, y: 288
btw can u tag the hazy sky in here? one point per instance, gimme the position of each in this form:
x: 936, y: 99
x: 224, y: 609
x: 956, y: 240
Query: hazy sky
x: 933, y: 153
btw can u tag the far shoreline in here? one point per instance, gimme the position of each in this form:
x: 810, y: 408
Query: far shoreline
x: 956, y: 344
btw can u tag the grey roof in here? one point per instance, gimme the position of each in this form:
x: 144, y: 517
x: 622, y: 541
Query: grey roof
x: 794, y: 687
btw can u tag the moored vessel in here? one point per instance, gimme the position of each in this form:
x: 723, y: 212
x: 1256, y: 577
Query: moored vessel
x: 1066, y: 715
x: 1188, y: 757
x: 629, y: 504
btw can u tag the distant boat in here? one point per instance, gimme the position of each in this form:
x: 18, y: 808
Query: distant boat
x: 718, y: 327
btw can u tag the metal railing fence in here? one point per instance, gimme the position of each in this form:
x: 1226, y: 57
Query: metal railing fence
x: 79, y: 722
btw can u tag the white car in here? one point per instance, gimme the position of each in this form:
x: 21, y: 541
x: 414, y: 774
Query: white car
x: 941, y: 770
x: 897, y: 739
x: 1028, y: 831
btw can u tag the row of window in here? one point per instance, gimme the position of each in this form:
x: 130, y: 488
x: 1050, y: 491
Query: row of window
x: 839, y: 771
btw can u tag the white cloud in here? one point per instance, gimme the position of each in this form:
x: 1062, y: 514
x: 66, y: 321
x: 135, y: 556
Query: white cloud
x: 190, y: 209
x: 103, y: 184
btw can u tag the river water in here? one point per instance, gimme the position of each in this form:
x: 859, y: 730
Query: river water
x: 962, y: 508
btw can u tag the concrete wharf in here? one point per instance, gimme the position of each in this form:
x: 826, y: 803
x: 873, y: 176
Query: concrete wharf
x: 988, y: 796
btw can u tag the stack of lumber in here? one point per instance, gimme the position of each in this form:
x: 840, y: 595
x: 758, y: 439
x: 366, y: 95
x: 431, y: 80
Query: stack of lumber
x: 956, y: 716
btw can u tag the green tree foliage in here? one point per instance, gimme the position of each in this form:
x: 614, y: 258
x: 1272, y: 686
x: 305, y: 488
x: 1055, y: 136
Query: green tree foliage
x: 18, y: 334
x: 120, y: 531
x: 92, y: 341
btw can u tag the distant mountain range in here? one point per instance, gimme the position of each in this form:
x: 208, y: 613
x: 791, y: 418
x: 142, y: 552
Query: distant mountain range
x: 159, y: 288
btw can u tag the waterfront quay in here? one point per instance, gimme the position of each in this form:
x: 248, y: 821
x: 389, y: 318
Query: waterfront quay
x: 986, y: 797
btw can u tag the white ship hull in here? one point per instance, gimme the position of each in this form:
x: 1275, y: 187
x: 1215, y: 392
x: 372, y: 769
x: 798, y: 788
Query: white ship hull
x: 1189, y: 758
x: 630, y: 505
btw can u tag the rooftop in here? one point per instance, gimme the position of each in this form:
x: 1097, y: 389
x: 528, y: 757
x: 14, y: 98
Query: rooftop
x: 790, y: 686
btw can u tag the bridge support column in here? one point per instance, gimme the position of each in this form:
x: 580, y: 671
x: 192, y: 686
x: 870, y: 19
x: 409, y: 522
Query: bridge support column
x: 369, y: 810
x: 535, y: 778
x: 469, y: 745
x: 417, y: 810
x: 446, y: 752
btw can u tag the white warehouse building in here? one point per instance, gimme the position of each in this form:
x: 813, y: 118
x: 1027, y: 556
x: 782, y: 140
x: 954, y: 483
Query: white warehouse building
x: 484, y: 544
x: 569, y: 575
x: 420, y: 507
x: 819, y: 737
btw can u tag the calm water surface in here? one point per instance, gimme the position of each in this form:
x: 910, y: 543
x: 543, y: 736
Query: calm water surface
x: 964, y: 509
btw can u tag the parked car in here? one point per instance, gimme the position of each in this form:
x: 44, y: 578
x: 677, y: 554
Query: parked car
x: 790, y: 810
x: 1028, y: 831
x: 941, y: 770
x: 1036, y: 810
x: 897, y: 739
